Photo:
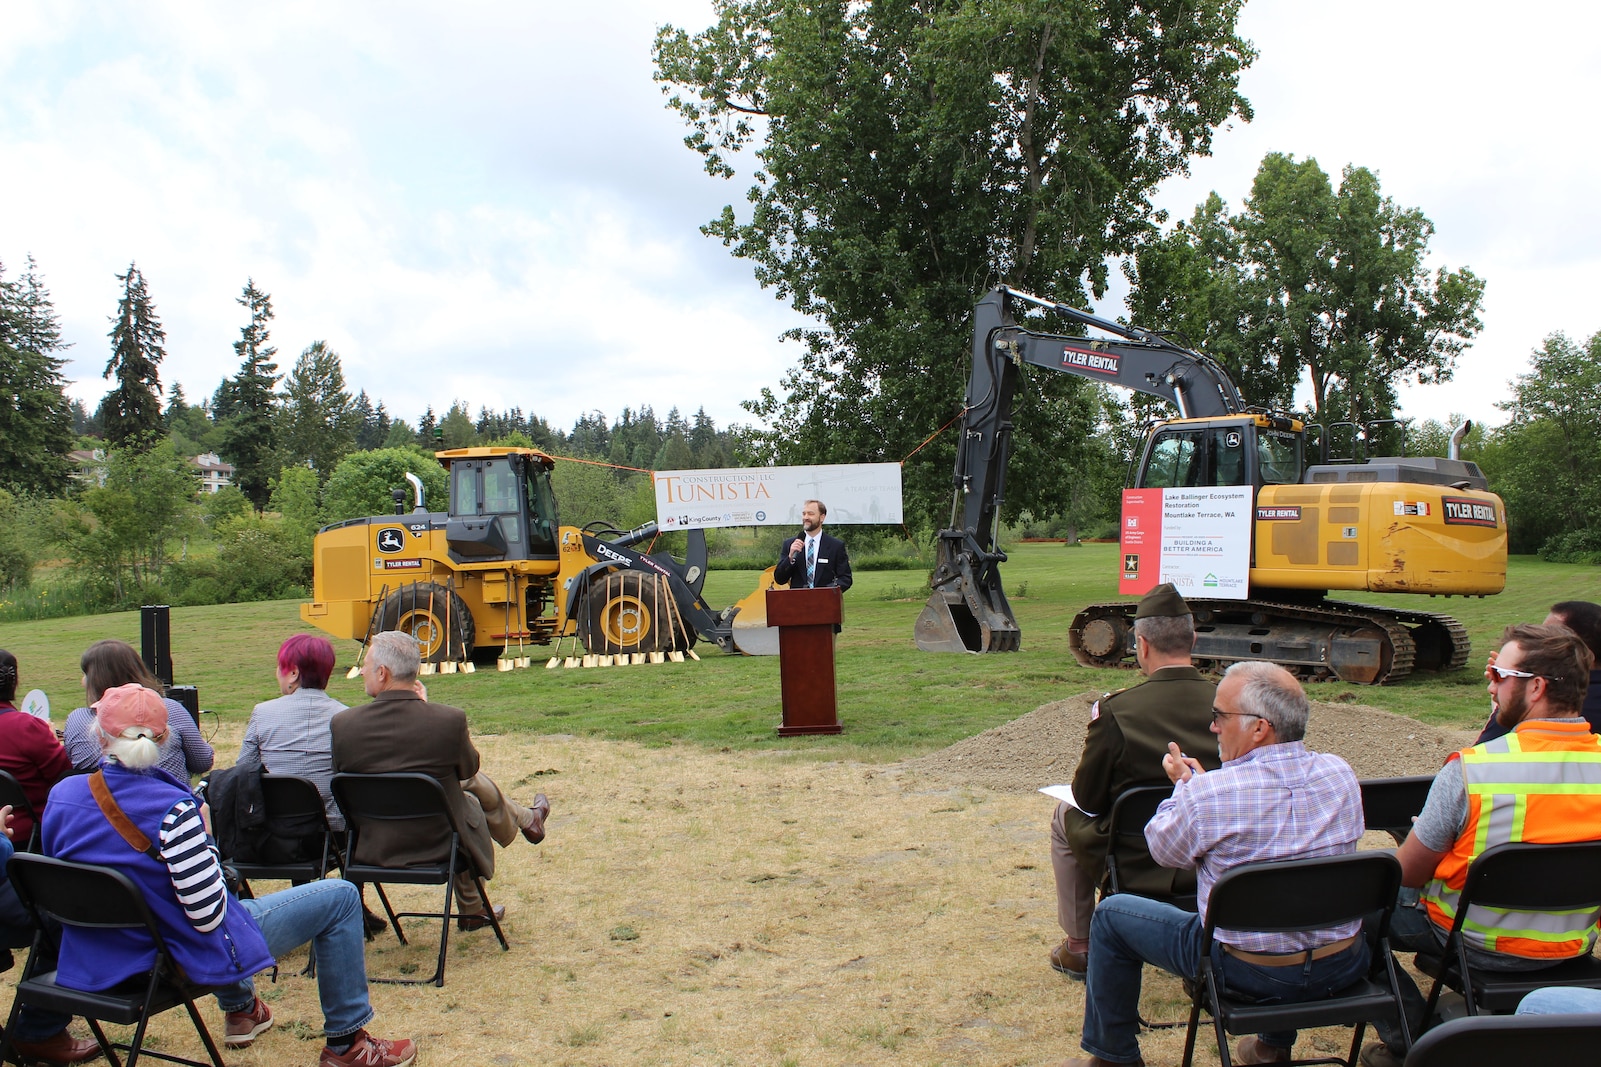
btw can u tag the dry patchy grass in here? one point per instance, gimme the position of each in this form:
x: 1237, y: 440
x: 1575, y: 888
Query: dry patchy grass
x: 694, y: 907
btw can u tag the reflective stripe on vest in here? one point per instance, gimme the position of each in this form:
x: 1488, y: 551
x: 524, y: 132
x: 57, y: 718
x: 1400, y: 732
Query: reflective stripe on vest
x: 1540, y: 784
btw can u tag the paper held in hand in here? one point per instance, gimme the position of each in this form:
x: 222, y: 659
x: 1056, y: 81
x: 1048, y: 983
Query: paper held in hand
x: 1064, y: 793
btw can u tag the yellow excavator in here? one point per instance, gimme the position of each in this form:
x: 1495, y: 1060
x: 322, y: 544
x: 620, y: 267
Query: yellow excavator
x: 1391, y: 524
x: 497, y: 569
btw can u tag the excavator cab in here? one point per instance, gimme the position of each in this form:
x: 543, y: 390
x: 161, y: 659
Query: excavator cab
x: 1252, y: 450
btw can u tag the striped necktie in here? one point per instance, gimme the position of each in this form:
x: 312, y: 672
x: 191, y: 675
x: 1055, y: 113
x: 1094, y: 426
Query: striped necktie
x: 811, y: 561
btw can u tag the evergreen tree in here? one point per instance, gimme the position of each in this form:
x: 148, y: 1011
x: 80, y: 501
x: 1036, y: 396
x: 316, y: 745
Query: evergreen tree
x: 425, y: 430
x: 249, y: 440
x: 132, y: 411
x: 365, y: 418
x: 35, y: 415
x: 319, y: 421
x: 456, y: 428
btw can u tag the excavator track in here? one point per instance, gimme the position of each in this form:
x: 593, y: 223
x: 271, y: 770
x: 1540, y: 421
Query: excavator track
x: 1356, y: 643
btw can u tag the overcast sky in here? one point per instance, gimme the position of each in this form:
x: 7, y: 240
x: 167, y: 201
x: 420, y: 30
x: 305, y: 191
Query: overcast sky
x: 489, y: 202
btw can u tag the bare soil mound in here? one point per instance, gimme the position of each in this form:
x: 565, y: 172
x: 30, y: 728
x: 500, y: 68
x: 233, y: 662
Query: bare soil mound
x: 1042, y: 747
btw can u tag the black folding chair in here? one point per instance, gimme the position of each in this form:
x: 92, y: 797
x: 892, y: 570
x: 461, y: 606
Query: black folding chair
x: 1125, y: 827
x: 419, y: 799
x: 1525, y: 878
x: 1497, y: 1040
x: 99, y: 898
x: 1293, y: 896
x: 1389, y: 804
x: 11, y: 793
x: 290, y: 800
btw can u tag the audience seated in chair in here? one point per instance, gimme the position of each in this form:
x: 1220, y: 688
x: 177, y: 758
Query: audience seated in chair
x: 29, y: 751
x: 134, y: 816
x: 402, y: 731
x: 1550, y: 763
x: 1273, y: 799
x: 1128, y: 734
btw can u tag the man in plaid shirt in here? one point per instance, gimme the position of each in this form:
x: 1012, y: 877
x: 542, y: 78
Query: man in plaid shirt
x: 1273, y: 799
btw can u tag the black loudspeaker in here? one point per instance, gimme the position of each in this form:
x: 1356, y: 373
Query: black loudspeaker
x: 155, y: 640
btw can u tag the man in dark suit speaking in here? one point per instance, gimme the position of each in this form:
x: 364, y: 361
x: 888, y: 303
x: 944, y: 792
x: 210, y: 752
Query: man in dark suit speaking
x: 814, y: 560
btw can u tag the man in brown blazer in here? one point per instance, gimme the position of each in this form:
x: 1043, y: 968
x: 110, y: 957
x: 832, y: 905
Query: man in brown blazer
x: 1127, y: 737
x: 402, y: 731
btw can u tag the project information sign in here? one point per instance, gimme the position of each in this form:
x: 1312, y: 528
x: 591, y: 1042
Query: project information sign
x: 773, y: 496
x: 1198, y: 539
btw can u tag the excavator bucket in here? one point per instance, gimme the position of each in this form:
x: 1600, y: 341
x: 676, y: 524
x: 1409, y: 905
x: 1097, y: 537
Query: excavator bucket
x: 966, y: 612
x: 948, y: 624
x: 752, y: 635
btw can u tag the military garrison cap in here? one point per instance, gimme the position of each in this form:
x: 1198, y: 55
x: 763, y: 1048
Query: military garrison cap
x: 1162, y: 602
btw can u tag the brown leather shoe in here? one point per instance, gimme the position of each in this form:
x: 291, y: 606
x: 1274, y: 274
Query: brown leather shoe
x: 1073, y: 964
x: 478, y: 922
x: 60, y: 1048
x: 1096, y: 1061
x: 538, y: 812
x: 1378, y: 1054
x: 1252, y: 1049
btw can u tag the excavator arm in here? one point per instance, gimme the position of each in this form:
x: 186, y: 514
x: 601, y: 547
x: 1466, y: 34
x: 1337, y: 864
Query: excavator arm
x: 968, y: 610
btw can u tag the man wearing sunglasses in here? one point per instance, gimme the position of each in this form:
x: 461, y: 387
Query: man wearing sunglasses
x: 1539, y: 783
x: 1584, y: 619
x: 1273, y: 799
x: 1128, y: 734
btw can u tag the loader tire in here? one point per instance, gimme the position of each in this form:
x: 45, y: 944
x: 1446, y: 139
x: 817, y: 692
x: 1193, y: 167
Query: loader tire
x: 435, y: 616
x: 626, y: 612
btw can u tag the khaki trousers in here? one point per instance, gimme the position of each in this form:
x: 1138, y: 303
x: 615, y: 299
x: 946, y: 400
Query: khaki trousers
x: 504, y: 818
x: 1075, y: 890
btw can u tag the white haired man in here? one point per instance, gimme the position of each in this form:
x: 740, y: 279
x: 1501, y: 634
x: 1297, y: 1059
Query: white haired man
x: 402, y: 731
x: 1273, y: 799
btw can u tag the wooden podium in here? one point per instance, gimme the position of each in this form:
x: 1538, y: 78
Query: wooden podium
x: 806, y: 619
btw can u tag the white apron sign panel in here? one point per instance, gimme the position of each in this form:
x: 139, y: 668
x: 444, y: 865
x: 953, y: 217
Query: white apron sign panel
x: 774, y: 496
x: 1198, y: 539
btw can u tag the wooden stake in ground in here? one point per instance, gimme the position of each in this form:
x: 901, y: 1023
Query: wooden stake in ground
x: 427, y: 666
x: 672, y: 608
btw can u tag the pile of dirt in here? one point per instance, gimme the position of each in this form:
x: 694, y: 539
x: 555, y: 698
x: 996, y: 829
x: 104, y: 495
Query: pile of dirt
x: 1042, y: 747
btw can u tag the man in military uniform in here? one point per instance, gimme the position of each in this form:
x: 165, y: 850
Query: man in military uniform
x: 1127, y: 737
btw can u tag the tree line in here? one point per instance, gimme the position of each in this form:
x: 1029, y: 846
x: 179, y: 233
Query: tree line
x: 132, y: 525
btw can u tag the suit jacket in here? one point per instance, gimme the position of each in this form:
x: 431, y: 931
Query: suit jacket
x: 833, y: 565
x: 399, y: 731
x: 1123, y: 748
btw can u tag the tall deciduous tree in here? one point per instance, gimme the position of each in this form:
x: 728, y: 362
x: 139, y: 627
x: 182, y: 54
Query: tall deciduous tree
x: 1311, y: 281
x: 249, y: 438
x: 914, y: 153
x: 319, y: 422
x: 35, y: 414
x: 1546, y: 461
x: 131, y: 412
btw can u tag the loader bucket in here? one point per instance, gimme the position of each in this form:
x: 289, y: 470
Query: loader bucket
x: 752, y: 635
x: 948, y: 624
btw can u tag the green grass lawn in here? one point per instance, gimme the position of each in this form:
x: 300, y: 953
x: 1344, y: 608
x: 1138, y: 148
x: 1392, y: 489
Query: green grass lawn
x: 894, y: 700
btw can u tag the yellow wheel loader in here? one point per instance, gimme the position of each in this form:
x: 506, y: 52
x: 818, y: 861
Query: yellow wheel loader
x: 497, y: 569
x: 1392, y: 524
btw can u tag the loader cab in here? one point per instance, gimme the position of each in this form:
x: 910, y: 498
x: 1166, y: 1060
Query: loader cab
x: 501, y: 505
x: 1253, y: 450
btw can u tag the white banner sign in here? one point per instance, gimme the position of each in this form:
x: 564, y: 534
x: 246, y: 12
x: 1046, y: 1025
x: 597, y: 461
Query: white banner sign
x: 774, y: 496
x: 1206, y: 541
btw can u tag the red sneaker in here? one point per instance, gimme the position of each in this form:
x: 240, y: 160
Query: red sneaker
x: 369, y: 1051
x: 243, y: 1026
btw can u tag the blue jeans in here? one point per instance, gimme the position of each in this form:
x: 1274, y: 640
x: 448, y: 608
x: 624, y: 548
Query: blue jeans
x: 1128, y: 932
x: 1557, y: 1000
x: 328, y: 914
